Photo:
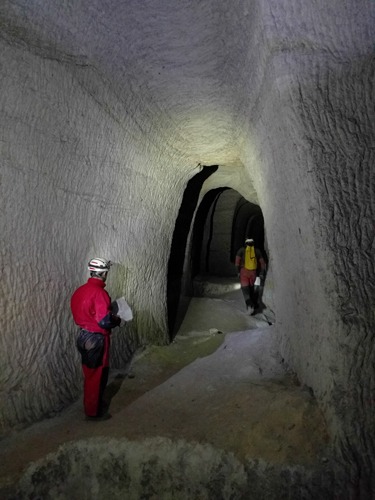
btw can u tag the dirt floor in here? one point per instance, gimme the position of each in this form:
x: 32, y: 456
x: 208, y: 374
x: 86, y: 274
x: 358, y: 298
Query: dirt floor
x: 221, y: 382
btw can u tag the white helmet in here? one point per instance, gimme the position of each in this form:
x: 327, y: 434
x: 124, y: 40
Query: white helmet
x: 98, y: 265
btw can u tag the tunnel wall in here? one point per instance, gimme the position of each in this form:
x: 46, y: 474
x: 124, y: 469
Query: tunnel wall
x: 317, y: 172
x: 320, y: 234
x: 341, y: 137
x: 287, y: 90
x: 77, y: 182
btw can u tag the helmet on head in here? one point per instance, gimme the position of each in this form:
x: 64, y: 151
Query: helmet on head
x: 249, y: 241
x: 99, y: 265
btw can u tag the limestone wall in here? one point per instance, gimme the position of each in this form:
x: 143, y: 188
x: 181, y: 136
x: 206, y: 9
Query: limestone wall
x: 106, y: 113
x: 316, y: 142
x: 79, y: 179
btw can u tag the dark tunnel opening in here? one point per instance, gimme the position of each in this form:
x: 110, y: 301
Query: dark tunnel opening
x: 248, y: 222
x: 223, y: 221
x: 179, y: 242
x: 209, y: 200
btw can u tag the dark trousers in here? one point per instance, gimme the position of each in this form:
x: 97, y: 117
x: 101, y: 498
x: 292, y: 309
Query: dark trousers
x: 250, y: 296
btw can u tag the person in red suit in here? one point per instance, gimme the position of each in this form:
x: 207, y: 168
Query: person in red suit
x: 250, y: 264
x: 91, y: 308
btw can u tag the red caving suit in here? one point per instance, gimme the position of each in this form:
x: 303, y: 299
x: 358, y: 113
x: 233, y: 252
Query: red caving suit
x: 90, y: 304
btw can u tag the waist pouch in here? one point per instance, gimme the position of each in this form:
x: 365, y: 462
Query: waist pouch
x: 91, y: 347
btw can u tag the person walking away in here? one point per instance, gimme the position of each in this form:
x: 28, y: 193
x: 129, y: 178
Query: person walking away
x: 250, y: 264
x: 91, y: 310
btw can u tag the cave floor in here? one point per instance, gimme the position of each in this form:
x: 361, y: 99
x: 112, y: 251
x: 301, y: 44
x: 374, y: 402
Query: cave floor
x: 221, y: 381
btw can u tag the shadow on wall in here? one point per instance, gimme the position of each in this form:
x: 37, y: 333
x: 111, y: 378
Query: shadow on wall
x: 179, y: 241
x: 203, y: 232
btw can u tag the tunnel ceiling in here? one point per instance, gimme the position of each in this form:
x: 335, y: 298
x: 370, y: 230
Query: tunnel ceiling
x: 174, y: 57
x: 186, y: 58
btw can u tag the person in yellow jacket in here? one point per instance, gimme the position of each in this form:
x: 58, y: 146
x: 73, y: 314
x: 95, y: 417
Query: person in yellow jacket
x: 250, y: 264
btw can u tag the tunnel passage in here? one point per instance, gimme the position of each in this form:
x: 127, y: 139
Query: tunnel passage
x: 179, y: 240
x: 223, y: 220
x: 248, y: 222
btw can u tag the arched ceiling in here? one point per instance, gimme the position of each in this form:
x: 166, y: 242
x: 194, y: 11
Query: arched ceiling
x: 179, y: 57
x: 202, y: 63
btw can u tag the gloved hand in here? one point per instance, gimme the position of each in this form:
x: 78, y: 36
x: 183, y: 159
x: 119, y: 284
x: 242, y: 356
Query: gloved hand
x: 114, y: 308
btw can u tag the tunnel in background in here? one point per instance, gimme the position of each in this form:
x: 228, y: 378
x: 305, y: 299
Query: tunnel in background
x: 179, y: 242
x: 223, y: 220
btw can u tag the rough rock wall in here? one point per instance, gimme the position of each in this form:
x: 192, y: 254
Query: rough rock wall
x: 106, y: 111
x: 315, y: 186
x: 79, y: 179
x: 161, y: 468
x: 102, y: 128
x: 341, y: 137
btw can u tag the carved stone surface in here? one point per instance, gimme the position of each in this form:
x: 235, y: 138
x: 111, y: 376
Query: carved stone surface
x: 107, y: 108
x: 166, y: 469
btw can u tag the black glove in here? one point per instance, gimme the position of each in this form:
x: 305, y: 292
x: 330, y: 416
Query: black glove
x: 114, y: 308
x: 109, y: 321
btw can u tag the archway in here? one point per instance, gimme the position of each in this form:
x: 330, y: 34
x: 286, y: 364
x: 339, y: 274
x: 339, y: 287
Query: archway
x: 179, y: 241
x: 223, y: 220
